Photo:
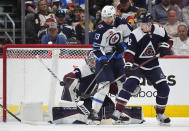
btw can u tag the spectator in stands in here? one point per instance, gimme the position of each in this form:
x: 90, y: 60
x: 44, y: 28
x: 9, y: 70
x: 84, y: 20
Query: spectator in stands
x: 76, y: 16
x: 160, y: 14
x: 181, y: 43
x: 172, y: 23
x: 185, y: 13
x: 139, y: 12
x: 32, y: 5
x: 177, y: 3
x: 42, y: 17
x: 80, y: 28
x: 126, y: 9
x: 64, y: 29
x: 55, y: 5
x: 140, y: 3
x: 52, y: 37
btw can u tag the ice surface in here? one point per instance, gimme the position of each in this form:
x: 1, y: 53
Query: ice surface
x: 177, y: 124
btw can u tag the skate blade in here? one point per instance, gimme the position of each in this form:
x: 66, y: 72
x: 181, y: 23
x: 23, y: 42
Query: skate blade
x: 118, y: 122
x: 164, y: 124
x: 93, y: 122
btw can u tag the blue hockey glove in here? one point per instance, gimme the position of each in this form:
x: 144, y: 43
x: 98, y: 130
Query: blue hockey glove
x: 128, y: 69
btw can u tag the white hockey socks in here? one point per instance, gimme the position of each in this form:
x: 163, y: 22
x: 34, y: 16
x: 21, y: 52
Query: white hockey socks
x: 98, y: 98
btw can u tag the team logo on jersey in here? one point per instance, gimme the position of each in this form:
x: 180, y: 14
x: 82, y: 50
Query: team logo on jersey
x: 148, y: 52
x: 162, y: 76
x: 115, y: 38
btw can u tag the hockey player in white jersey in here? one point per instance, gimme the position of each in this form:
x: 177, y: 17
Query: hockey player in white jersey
x: 144, y: 43
x: 108, y: 46
x: 84, y: 75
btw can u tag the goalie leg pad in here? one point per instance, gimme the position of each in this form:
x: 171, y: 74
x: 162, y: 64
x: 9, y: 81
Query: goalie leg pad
x: 68, y: 115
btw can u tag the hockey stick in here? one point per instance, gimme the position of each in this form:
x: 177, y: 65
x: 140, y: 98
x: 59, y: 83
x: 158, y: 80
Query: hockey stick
x: 100, y: 71
x: 18, y: 119
x: 144, y: 63
x: 52, y: 73
x: 135, y: 68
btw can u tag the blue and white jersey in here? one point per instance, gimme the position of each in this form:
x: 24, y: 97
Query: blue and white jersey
x: 144, y: 46
x: 106, y: 37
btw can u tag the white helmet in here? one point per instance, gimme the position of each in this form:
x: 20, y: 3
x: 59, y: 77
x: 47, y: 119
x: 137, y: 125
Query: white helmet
x: 108, y: 11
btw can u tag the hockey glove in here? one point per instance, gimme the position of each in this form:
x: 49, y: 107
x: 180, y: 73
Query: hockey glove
x: 165, y: 48
x: 164, y: 51
x: 128, y: 69
x: 104, y: 62
x: 118, y: 48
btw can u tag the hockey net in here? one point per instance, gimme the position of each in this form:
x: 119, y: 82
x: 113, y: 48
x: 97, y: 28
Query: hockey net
x: 26, y: 78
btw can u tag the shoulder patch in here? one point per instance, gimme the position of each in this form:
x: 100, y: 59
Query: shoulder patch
x: 100, y: 26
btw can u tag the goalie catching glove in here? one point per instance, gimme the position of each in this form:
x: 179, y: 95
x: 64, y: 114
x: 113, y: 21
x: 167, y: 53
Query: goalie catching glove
x: 75, y: 74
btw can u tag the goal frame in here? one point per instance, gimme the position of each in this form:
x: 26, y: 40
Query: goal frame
x: 26, y: 46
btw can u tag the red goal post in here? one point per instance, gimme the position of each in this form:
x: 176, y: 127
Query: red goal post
x: 26, y: 79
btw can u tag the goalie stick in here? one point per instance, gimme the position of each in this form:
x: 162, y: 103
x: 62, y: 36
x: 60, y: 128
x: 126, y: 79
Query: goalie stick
x: 52, y: 73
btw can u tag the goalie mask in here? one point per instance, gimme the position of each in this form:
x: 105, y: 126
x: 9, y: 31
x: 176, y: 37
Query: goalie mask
x: 90, y: 60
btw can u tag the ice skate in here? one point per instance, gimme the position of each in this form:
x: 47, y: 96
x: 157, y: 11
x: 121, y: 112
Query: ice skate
x: 161, y: 117
x: 93, y: 118
x: 119, y: 118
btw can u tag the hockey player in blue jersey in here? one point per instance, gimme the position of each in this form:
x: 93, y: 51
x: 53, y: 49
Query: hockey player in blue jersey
x: 109, y: 44
x: 144, y: 43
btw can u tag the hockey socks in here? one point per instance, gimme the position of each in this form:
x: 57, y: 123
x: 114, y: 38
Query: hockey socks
x: 160, y: 116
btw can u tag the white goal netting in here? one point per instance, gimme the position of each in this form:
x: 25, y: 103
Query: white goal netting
x: 27, y: 78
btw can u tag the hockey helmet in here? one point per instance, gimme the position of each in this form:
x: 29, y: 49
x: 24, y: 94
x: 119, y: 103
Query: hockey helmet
x: 108, y: 11
x: 90, y: 59
x: 145, y: 17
